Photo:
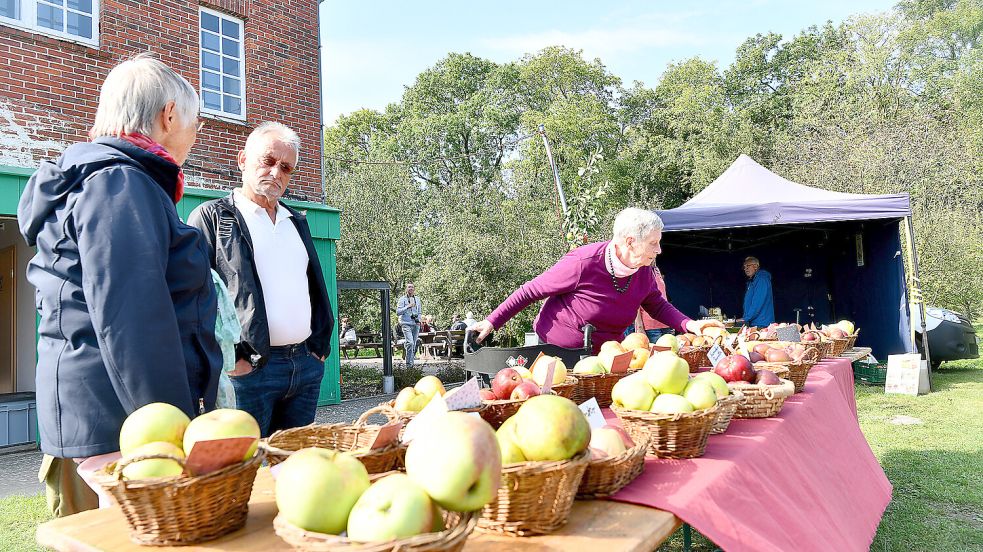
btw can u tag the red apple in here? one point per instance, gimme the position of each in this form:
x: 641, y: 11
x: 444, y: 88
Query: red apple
x: 837, y: 333
x: 777, y: 355
x: 735, y: 368
x: 525, y: 390
x: 488, y: 395
x: 762, y: 348
x: 505, y: 381
x: 809, y: 336
x: 756, y: 356
x: 767, y: 377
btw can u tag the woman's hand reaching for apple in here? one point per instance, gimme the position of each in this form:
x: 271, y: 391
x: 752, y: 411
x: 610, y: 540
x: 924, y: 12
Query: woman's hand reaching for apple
x: 698, y: 326
x: 483, y: 328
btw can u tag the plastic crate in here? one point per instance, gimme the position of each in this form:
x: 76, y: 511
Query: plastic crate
x: 18, y: 422
x: 870, y: 373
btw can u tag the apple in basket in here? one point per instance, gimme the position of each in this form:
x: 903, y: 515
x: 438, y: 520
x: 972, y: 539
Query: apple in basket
x: 504, y: 382
x: 155, y: 467
x: 637, y: 340
x: 837, y: 333
x: 755, y: 356
x: 457, y: 461
x: 614, y: 346
x: 633, y: 392
x: 151, y: 423
x: 639, y: 358
x: 511, y: 453
x: 700, y: 394
x: 670, y: 403
x: 551, y: 428
x: 430, y: 386
x: 807, y: 337
x: 762, y: 349
x: 394, y: 507
x: 317, y: 488
x: 607, y: 441
x: 590, y: 365
x: 669, y: 340
x: 718, y: 383
x: 540, y: 368
x: 666, y: 372
x: 846, y: 326
x: 487, y: 395
x: 735, y: 368
x: 777, y: 355
x: 524, y: 372
x: 767, y: 377
x: 525, y: 390
x: 222, y: 424
x: 411, y: 400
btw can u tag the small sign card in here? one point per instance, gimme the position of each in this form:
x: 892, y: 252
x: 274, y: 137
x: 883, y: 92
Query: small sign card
x: 215, y: 454
x: 550, y: 370
x: 788, y: 333
x: 592, y: 411
x: 716, y: 354
x: 436, y: 408
x: 658, y: 349
x: 744, y: 351
x: 621, y: 363
x: 388, y: 434
x: 903, y: 372
x: 465, y: 396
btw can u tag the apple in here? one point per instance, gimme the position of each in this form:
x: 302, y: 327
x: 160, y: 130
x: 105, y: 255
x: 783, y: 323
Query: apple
x: 762, y: 348
x: 809, y: 336
x: 487, y: 395
x: 457, y: 461
x: 637, y: 340
x: 438, y: 518
x: 539, y: 371
x: 411, y: 400
x: 670, y: 403
x: 523, y: 371
x: 837, y: 333
x: 666, y: 372
x: 222, y: 424
x: 606, y: 358
x: 685, y: 340
x: 590, y: 365
x: 755, y: 356
x: 718, y: 383
x: 310, y: 475
x: 714, y: 332
x: 550, y: 427
x: 625, y: 438
x: 151, y: 423
x: 394, y: 507
x: 669, y: 340
x: 846, y: 326
x: 614, y: 346
x: 777, y: 355
x: 505, y: 381
x: 156, y: 467
x: 633, y: 392
x: 608, y: 441
x: 639, y: 358
x: 735, y: 368
x: 511, y: 453
x: 767, y: 377
x: 525, y: 390
x: 430, y: 386
x: 700, y: 394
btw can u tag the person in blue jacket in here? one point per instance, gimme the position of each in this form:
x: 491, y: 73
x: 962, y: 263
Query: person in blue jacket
x: 759, y: 306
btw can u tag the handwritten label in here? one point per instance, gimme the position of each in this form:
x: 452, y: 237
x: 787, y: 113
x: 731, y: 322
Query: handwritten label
x: 621, y: 363
x: 436, y: 408
x: 465, y: 396
x: 215, y: 454
x: 658, y: 349
x: 903, y: 374
x: 788, y: 333
x: 388, y: 434
x: 592, y: 411
x: 550, y: 369
x: 716, y: 354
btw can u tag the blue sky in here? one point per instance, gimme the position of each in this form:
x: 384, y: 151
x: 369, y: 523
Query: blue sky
x: 372, y: 49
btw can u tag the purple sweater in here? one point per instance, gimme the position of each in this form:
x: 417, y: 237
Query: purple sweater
x: 578, y: 290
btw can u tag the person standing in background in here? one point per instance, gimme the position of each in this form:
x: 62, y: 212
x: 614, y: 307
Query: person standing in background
x: 409, y: 309
x: 759, y: 304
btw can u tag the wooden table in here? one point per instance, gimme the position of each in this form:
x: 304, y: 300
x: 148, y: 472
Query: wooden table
x: 594, y: 526
x: 856, y: 353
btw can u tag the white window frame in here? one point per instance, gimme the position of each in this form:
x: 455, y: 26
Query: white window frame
x: 28, y: 21
x: 221, y: 113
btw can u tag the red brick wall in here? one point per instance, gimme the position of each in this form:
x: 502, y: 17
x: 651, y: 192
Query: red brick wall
x: 49, y: 88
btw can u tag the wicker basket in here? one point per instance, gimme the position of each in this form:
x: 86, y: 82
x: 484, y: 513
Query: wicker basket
x: 567, y: 388
x: 761, y: 401
x: 406, y: 416
x: 696, y: 357
x: 343, y: 437
x: 780, y: 369
x: 672, y: 435
x: 852, y: 340
x: 840, y: 344
x: 607, y: 476
x: 596, y: 385
x: 535, y: 498
x: 727, y: 407
x: 452, y: 539
x: 824, y: 348
x: 182, y: 510
x: 799, y: 371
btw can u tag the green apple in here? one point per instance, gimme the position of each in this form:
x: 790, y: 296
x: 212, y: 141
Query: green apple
x: 700, y: 394
x: 666, y: 372
x: 511, y: 453
x: 589, y: 365
x: 608, y: 441
x: 606, y: 358
x: 539, y: 371
x: 151, y: 423
x: 411, y: 400
x: 719, y: 384
x: 157, y: 467
x: 430, y: 386
x: 612, y: 346
x: 394, y: 507
x: 633, y: 392
x: 316, y: 489
x: 550, y: 427
x: 457, y: 461
x: 846, y: 326
x: 523, y: 371
x: 669, y: 403
x: 222, y: 424
x: 668, y: 340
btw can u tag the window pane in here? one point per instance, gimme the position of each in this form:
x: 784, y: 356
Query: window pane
x: 232, y: 105
x: 209, y: 41
x: 230, y: 28
x: 81, y: 5
x: 230, y: 66
x: 210, y: 80
x: 209, y: 22
x: 230, y: 47
x: 212, y: 100
x: 79, y: 25
x: 50, y: 17
x: 8, y: 8
x: 211, y: 61
x: 230, y: 86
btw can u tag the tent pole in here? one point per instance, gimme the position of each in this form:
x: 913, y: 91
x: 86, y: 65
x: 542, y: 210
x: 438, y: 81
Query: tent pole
x: 915, y: 283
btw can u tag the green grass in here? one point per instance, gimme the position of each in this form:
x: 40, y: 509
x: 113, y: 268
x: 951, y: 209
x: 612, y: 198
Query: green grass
x: 19, y: 516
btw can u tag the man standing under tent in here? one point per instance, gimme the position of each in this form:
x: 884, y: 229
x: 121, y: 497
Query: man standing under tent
x: 759, y: 305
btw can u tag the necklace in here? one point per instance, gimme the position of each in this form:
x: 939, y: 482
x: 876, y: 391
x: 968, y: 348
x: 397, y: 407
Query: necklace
x: 614, y: 280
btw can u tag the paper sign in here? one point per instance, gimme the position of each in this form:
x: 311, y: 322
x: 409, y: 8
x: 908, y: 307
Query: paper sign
x: 788, y: 333
x: 592, y: 411
x: 621, y: 363
x: 215, y: 454
x: 903, y: 374
x: 434, y: 410
x: 715, y: 354
x: 535, y: 360
x: 465, y: 396
x: 744, y: 351
x: 550, y: 369
x: 658, y: 349
x: 387, y: 435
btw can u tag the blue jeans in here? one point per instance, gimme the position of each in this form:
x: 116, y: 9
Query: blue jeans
x: 282, y: 393
x: 411, y: 333
x: 653, y: 335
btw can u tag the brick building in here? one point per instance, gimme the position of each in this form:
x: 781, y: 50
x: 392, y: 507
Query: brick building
x: 250, y: 60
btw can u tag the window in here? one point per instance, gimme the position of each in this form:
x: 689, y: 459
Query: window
x: 222, y: 65
x: 76, y: 20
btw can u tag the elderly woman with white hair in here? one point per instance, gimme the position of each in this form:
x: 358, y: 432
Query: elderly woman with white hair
x: 598, y: 283
x: 124, y: 291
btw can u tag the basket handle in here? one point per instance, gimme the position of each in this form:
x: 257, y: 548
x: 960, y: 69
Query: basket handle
x: 817, y: 333
x: 265, y: 445
x: 384, y: 409
x: 122, y: 463
x: 811, y: 352
x: 769, y: 393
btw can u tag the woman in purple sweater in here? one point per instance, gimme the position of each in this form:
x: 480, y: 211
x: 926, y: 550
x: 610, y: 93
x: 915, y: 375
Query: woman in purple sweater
x: 598, y: 283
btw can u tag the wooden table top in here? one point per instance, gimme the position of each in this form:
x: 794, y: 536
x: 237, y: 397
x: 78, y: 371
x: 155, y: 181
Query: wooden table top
x: 594, y: 526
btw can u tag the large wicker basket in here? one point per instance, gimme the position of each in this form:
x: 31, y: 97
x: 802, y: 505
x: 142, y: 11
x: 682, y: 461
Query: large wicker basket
x: 344, y: 437
x: 726, y: 408
x: 672, y: 435
x: 451, y: 539
x: 535, y: 498
x: 183, y: 510
x: 597, y: 386
x: 607, y: 476
x: 761, y: 401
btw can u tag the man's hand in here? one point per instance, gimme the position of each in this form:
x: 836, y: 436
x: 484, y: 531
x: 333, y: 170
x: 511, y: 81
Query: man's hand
x: 242, y: 368
x: 697, y: 326
x: 483, y: 328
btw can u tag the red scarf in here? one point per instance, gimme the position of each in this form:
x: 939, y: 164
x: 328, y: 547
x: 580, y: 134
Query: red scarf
x: 148, y: 143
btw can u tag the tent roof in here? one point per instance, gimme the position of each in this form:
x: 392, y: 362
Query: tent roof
x: 747, y: 194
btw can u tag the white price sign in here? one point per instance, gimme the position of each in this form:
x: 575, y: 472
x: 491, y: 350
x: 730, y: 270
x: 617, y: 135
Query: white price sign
x: 592, y: 411
x: 716, y: 354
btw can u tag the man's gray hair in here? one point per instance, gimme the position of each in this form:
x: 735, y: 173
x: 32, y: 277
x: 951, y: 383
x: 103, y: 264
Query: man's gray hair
x: 635, y: 223
x: 752, y: 261
x: 135, y: 92
x: 285, y: 133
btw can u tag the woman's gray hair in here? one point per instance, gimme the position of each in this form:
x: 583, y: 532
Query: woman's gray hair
x: 635, y: 223
x: 135, y: 92
x: 286, y: 134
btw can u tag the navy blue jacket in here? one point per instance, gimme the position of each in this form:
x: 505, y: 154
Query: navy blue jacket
x: 759, y: 306
x: 124, y: 294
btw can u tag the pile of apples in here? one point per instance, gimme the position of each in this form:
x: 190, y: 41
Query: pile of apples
x: 161, y: 428
x: 519, y: 383
x: 635, y: 343
x: 709, y: 336
x: 775, y: 352
x: 664, y: 386
x: 738, y: 368
x: 454, y: 465
x: 414, y: 399
x: 545, y: 428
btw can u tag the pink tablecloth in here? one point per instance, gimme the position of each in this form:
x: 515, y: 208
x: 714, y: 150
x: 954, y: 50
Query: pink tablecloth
x: 804, y: 480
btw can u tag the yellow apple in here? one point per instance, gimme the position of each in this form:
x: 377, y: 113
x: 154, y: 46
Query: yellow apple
x: 700, y: 393
x: 639, y: 358
x: 156, y: 467
x: 151, y: 423
x: 589, y: 365
x: 633, y: 392
x: 607, y: 440
x: 411, y: 400
x: 539, y: 371
x: 523, y: 371
x: 612, y: 346
x: 668, y: 340
x: 222, y: 424
x: 671, y: 404
x: 394, y: 507
x: 666, y: 372
x: 430, y: 386
x: 550, y: 427
x: 317, y: 488
x: 511, y: 453
x: 637, y: 340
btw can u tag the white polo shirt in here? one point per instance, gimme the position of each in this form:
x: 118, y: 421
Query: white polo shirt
x: 281, y: 264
